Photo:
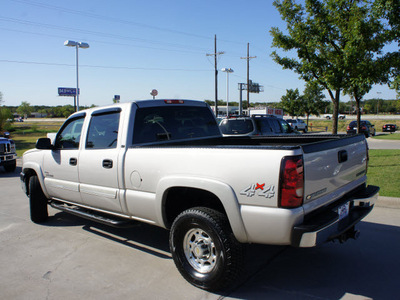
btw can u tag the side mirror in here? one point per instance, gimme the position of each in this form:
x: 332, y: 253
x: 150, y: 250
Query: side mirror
x: 44, y: 143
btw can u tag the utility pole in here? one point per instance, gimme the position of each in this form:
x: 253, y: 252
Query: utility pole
x: 248, y: 57
x: 215, y: 54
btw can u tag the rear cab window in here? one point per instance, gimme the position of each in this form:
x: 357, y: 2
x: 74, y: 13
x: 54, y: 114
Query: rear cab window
x: 163, y: 123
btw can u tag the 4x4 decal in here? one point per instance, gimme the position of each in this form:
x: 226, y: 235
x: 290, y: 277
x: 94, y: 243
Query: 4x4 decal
x: 259, y: 189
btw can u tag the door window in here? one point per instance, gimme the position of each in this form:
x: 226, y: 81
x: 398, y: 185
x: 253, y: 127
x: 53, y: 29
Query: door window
x: 103, y: 131
x: 70, y: 135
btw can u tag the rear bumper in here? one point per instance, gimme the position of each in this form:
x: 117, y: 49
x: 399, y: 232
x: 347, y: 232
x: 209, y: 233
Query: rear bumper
x: 327, y: 225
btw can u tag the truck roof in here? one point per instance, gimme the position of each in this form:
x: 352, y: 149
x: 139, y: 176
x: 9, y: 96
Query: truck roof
x: 144, y: 103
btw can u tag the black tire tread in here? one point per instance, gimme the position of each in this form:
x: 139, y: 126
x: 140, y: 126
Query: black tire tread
x: 37, y: 201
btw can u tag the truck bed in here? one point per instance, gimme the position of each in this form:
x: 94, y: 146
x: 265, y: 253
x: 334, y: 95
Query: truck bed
x: 309, y: 143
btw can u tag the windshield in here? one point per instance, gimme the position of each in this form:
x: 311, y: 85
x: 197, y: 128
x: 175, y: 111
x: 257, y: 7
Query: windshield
x: 236, y: 126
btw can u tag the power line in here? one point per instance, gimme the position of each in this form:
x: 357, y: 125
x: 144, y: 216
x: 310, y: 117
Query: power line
x: 101, y: 67
x: 116, y: 20
x: 102, y: 34
x: 101, y: 42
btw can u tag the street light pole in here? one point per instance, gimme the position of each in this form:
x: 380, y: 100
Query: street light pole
x: 227, y: 70
x: 77, y: 45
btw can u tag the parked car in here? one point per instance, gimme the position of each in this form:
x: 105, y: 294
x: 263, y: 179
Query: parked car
x: 298, y: 124
x: 366, y: 128
x: 254, y: 125
x: 389, y: 128
x: 340, y: 117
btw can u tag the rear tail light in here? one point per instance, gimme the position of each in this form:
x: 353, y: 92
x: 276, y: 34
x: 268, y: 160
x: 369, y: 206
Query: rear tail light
x: 291, y: 182
x: 348, y: 127
x: 364, y: 128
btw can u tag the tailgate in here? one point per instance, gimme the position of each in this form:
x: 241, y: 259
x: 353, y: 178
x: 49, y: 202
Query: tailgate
x: 333, y: 166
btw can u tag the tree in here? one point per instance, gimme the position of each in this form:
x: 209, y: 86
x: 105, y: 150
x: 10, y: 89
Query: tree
x: 292, y: 102
x: 395, y: 85
x: 5, y: 113
x: 313, y: 99
x: 326, y: 36
x: 24, y: 109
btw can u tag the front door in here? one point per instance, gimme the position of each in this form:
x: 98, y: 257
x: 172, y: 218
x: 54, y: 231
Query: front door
x: 60, y: 165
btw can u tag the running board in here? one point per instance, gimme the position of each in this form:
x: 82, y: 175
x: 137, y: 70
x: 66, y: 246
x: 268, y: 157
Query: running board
x: 94, y: 216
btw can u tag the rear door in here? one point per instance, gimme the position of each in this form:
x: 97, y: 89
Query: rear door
x: 98, y: 167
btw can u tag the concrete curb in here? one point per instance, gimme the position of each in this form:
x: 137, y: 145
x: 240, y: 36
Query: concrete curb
x: 388, y: 202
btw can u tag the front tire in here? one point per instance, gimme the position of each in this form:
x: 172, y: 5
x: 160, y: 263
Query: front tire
x: 37, y: 201
x: 204, y: 249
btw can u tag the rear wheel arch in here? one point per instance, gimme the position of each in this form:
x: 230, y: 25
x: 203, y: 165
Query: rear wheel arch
x: 175, y: 194
x: 179, y: 199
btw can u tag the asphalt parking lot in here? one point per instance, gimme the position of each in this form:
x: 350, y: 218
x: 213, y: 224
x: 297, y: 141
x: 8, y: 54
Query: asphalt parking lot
x: 72, y: 258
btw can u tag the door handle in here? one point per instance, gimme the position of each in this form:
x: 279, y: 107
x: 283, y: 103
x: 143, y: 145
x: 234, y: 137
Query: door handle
x: 342, y: 156
x: 107, y: 164
x: 73, y: 161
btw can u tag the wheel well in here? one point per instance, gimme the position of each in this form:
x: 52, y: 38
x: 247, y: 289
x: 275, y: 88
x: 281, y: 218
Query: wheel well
x: 28, y: 174
x: 178, y: 199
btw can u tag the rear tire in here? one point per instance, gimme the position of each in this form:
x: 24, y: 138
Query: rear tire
x: 204, y: 249
x: 37, y: 201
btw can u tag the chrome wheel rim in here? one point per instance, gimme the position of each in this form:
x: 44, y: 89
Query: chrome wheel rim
x: 200, y: 251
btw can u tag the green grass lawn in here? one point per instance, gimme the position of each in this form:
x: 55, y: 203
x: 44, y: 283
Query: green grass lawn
x: 388, y: 136
x: 26, y: 134
x: 383, y: 171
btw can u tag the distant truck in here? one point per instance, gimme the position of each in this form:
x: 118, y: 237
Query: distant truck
x: 277, y: 112
x: 165, y: 163
x: 8, y: 155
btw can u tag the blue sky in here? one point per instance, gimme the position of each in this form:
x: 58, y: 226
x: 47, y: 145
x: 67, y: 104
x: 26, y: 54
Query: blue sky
x: 137, y: 46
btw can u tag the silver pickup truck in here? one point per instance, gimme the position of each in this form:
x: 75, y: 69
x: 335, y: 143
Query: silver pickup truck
x: 165, y: 162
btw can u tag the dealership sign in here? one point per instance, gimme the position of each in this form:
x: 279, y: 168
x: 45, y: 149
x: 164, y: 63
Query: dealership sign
x: 63, y: 91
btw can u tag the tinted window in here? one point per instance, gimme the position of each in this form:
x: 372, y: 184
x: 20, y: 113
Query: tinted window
x: 103, y: 131
x: 69, y: 136
x: 276, y: 127
x: 153, y: 124
x: 285, y: 126
x: 267, y: 126
x: 236, y: 126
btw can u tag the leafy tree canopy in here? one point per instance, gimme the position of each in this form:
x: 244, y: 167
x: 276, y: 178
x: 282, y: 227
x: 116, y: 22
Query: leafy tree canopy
x: 338, y: 44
